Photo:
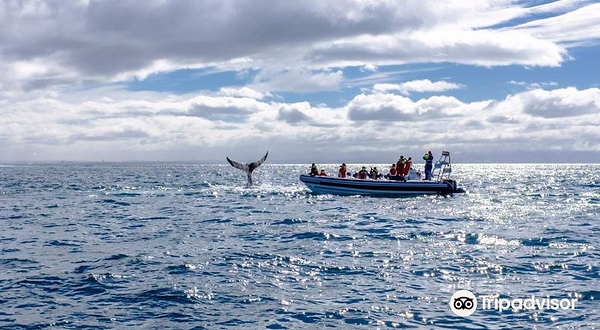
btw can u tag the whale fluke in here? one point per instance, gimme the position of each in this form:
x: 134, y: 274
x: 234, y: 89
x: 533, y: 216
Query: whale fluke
x: 248, y: 168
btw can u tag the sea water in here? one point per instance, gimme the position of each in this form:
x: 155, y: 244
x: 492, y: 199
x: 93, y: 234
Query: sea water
x: 187, y: 246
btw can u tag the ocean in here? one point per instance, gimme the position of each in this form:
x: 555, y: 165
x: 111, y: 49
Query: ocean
x: 187, y: 246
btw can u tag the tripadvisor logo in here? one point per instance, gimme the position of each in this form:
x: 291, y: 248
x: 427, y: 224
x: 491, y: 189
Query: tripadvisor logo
x: 464, y: 303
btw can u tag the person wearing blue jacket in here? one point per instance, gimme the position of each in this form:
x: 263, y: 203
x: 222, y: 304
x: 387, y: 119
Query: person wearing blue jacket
x: 428, y: 157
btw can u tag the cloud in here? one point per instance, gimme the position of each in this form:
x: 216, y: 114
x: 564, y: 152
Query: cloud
x: 243, y: 92
x: 369, y: 67
x: 558, y: 103
x: 474, y: 47
x: 576, y: 27
x: 297, y: 80
x: 534, y: 85
x: 292, y: 115
x: 391, y: 107
x: 423, y: 85
x: 114, y: 124
x: 300, y: 46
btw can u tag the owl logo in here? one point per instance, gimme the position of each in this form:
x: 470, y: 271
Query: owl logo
x: 463, y: 303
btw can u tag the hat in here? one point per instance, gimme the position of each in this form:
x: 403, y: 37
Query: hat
x: 343, y: 164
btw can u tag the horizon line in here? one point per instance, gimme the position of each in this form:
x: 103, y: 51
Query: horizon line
x: 21, y: 162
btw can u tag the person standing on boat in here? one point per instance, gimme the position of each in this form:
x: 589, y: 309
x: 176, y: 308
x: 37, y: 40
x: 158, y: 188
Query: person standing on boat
x: 428, y: 157
x: 400, y: 165
x: 342, y: 172
x: 407, y: 166
x: 313, y: 169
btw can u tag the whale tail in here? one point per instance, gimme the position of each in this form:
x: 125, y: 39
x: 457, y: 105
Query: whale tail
x: 249, y: 167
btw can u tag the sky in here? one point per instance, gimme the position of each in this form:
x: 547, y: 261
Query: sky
x: 309, y: 80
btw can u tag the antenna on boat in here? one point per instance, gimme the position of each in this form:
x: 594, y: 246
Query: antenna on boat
x: 443, y: 167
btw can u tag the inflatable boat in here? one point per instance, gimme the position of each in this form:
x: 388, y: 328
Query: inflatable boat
x: 392, y: 186
x: 384, y: 187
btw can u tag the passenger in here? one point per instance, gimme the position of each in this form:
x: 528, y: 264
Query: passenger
x: 362, y: 174
x: 322, y: 173
x: 374, y: 173
x: 313, y: 170
x: 400, y: 165
x: 393, y: 171
x: 342, y: 172
x: 428, y: 157
x: 407, y: 166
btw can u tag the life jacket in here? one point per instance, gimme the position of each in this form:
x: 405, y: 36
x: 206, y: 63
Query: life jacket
x: 314, y: 170
x: 393, y: 171
x: 428, y: 159
x: 399, y: 165
x: 407, y: 167
x: 362, y: 174
x: 342, y: 172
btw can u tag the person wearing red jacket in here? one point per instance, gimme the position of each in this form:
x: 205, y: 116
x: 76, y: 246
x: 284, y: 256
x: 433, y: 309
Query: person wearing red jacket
x: 362, y: 174
x: 407, y: 166
x: 400, y: 165
x: 342, y: 172
x: 393, y: 171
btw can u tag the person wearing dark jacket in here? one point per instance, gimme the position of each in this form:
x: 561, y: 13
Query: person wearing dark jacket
x: 428, y: 157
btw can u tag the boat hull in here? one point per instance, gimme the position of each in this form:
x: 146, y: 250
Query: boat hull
x: 349, y: 186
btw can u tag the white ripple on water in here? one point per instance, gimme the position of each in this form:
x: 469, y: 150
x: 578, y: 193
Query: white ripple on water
x: 337, y: 261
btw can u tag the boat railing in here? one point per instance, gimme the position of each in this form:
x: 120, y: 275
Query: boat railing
x: 442, y: 169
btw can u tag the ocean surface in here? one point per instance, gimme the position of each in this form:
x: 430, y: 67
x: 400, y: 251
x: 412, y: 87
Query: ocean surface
x: 187, y: 246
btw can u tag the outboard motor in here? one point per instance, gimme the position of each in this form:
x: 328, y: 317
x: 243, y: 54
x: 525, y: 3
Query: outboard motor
x: 454, y: 186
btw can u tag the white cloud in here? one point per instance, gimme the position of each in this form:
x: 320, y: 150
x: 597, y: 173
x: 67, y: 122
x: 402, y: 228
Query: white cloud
x: 576, y: 27
x: 47, y: 43
x: 558, y: 103
x: 422, y: 85
x: 297, y: 80
x: 113, y: 124
x: 369, y: 67
x: 243, y: 92
x: 443, y: 44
